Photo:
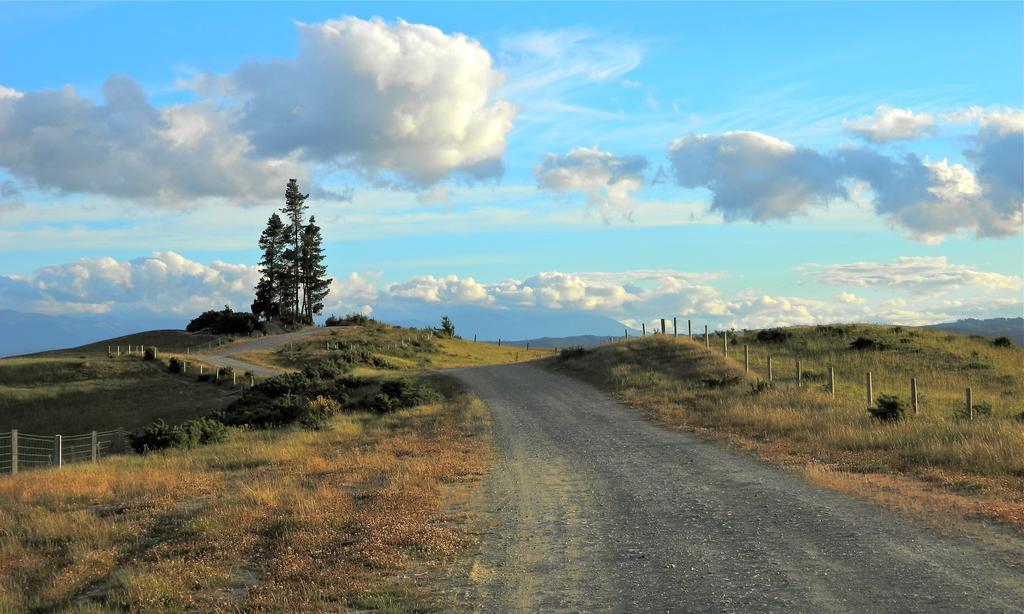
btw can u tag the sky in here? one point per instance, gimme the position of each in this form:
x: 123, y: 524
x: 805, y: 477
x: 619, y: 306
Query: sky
x: 748, y: 164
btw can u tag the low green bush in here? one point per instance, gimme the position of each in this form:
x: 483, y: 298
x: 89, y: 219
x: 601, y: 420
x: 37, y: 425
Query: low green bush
x: 149, y: 354
x: 175, y: 366
x: 888, y: 408
x: 773, y: 335
x: 162, y: 436
x: 1002, y: 342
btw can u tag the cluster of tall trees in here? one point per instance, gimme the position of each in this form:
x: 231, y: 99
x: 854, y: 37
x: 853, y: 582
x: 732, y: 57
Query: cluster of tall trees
x: 293, y: 277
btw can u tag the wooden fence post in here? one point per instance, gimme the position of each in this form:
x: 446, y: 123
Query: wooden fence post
x: 970, y: 404
x: 95, y: 448
x: 913, y: 394
x: 14, y: 451
x: 527, y: 347
x: 643, y: 328
x: 625, y: 333
x: 675, y: 327
x: 771, y: 376
x: 663, y: 330
x: 725, y: 343
x: 707, y: 339
x: 799, y: 375
x: 871, y: 395
x: 832, y: 381
x: 58, y: 451
x: 474, y: 338
x: 689, y: 329
x: 746, y: 358
x: 234, y: 378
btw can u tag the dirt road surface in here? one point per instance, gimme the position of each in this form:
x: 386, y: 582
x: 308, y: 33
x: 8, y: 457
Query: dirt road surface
x: 595, y: 509
x: 221, y: 356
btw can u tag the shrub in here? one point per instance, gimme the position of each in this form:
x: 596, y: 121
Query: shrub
x: 224, y: 322
x: 761, y: 387
x: 572, y: 352
x: 400, y: 394
x: 319, y: 412
x: 352, y: 319
x: 888, y: 408
x: 863, y: 343
x: 773, y: 335
x: 721, y: 382
x: 149, y: 354
x: 1002, y: 342
x: 162, y: 436
x: 1019, y: 417
x: 447, y: 328
x: 981, y: 409
x: 175, y: 366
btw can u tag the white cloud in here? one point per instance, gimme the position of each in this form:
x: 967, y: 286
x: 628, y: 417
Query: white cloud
x: 849, y: 298
x: 607, y: 180
x: 890, y: 124
x: 405, y: 103
x: 918, y: 275
x: 755, y: 176
x: 164, y: 282
x: 126, y: 148
x: 398, y: 97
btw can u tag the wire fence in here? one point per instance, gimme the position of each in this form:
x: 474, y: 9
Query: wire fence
x: 22, y: 451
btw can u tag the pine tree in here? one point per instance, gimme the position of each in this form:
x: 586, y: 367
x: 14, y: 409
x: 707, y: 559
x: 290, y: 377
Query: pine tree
x: 273, y: 270
x: 315, y: 284
x: 294, y: 207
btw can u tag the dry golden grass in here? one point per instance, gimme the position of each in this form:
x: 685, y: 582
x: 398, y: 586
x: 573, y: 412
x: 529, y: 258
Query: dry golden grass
x: 396, y: 349
x: 350, y: 518
x: 981, y: 460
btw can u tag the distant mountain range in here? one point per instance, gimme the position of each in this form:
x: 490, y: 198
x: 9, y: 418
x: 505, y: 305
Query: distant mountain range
x: 990, y: 328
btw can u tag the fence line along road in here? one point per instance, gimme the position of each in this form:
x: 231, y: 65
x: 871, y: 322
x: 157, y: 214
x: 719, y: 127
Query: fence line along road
x: 20, y: 451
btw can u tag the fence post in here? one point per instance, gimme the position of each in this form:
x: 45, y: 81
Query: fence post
x: 689, y: 329
x: 746, y: 358
x: 499, y: 342
x: 799, y: 375
x: 832, y: 381
x: 664, y: 331
x: 252, y: 381
x: 95, y: 447
x: 913, y: 394
x: 527, y: 347
x: 58, y: 451
x: 675, y: 327
x: 871, y: 396
x: 643, y: 328
x: 970, y: 404
x: 474, y: 338
x: 200, y: 368
x: 707, y: 339
x: 14, y: 451
x: 725, y: 343
x: 626, y: 335
x: 771, y: 375
x: 234, y: 378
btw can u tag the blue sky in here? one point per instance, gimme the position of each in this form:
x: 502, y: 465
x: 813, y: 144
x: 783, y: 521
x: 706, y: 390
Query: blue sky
x: 750, y: 164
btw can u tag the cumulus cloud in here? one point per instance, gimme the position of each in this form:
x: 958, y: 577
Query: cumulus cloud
x: 127, y: 148
x: 755, y: 176
x: 399, y: 99
x: 379, y: 97
x: 607, y: 180
x: 927, y: 275
x: 889, y: 124
x: 430, y: 289
x: 164, y: 282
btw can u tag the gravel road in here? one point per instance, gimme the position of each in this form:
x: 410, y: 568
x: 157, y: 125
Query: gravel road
x: 221, y: 356
x: 595, y: 509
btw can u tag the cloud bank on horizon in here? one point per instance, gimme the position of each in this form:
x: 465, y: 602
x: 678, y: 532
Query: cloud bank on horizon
x: 408, y: 107
x: 909, y: 291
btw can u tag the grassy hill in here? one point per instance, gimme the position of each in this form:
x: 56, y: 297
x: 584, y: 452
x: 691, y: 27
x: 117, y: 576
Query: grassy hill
x: 378, y: 347
x: 80, y: 389
x: 354, y: 513
x: 683, y: 384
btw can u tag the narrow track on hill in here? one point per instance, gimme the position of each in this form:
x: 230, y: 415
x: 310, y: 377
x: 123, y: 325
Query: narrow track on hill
x: 222, y: 356
x: 595, y: 509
